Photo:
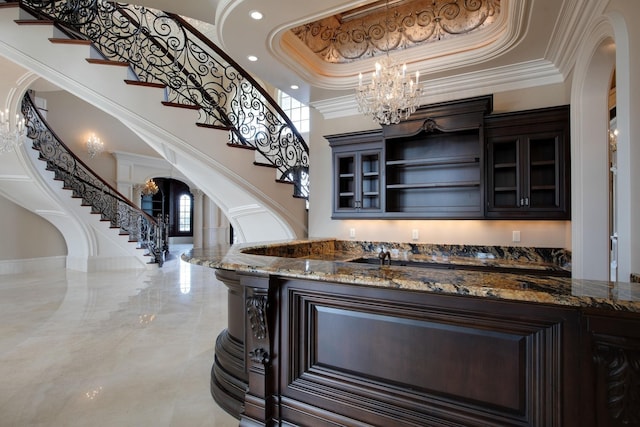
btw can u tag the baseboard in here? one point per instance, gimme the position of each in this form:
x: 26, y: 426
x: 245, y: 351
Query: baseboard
x: 30, y: 265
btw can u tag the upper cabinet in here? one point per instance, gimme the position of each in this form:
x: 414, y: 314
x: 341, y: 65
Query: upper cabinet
x: 527, y: 171
x: 357, y: 174
x: 434, y: 162
x: 456, y: 160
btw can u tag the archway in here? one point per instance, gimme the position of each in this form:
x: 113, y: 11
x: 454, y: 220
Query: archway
x: 601, y: 53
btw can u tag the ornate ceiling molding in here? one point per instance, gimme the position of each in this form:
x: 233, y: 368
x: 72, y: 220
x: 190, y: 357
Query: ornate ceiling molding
x: 372, y: 30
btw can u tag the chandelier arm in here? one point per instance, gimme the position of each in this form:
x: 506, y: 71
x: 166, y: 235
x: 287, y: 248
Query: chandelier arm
x: 392, y: 96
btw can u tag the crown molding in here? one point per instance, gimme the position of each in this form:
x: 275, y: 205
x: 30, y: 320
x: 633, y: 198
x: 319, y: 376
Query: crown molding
x: 430, y: 58
x: 511, y: 77
x: 573, y: 21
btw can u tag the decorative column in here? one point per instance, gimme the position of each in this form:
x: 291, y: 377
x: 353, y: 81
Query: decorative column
x: 208, y: 207
x: 198, y: 196
x: 137, y: 195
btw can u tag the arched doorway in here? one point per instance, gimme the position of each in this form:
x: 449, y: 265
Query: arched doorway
x: 604, y: 49
x: 173, y: 202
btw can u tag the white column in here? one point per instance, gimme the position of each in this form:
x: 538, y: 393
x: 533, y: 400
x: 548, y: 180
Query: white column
x: 216, y: 225
x: 136, y: 196
x: 198, y: 197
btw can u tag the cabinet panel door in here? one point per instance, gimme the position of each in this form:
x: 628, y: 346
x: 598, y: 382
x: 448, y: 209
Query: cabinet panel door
x: 345, y: 192
x: 504, y: 175
x: 357, y: 182
x: 543, y: 174
x: 527, y: 171
x: 369, y: 174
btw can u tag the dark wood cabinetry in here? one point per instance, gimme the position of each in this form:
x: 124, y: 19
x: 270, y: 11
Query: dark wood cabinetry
x: 427, y: 167
x: 614, y: 342
x: 327, y: 354
x: 528, y: 164
x: 434, y: 161
x: 455, y: 160
x: 358, y: 174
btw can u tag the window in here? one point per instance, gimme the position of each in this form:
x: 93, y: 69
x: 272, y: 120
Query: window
x: 297, y: 112
x: 184, y: 214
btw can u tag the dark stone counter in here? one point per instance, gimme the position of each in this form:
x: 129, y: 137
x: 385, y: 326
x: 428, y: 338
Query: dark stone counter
x: 331, y: 260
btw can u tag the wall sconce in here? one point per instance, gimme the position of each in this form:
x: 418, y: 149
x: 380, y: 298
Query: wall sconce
x: 10, y: 136
x: 94, y: 145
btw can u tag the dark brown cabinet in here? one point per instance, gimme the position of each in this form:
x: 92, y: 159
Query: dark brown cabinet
x: 456, y: 160
x: 427, y: 167
x: 527, y: 172
x: 325, y: 354
x: 358, y: 174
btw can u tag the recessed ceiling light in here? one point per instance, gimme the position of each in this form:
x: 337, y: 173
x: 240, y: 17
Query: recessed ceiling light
x: 252, y: 58
x: 255, y: 15
x: 294, y: 87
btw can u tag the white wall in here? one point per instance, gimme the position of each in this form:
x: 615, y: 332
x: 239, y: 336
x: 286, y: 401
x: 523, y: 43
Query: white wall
x: 475, y: 232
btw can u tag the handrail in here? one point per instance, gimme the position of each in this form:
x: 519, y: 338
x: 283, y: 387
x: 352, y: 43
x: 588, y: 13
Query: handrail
x: 164, y: 48
x: 88, y: 185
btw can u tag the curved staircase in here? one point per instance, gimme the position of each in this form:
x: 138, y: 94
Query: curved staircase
x: 193, y: 140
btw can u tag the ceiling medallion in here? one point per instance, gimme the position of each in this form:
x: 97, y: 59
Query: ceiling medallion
x: 364, y: 33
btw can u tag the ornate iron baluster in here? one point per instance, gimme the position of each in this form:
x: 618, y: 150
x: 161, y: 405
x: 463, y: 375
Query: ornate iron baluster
x: 164, y: 48
x: 84, y: 183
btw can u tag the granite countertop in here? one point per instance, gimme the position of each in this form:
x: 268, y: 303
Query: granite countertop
x: 331, y: 260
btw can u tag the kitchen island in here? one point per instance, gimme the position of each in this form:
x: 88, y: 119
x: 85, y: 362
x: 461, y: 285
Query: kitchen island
x: 317, y: 337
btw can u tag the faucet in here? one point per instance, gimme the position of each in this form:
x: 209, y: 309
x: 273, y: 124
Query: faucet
x: 384, y: 254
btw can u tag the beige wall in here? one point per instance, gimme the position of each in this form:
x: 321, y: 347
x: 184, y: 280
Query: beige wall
x: 74, y: 120
x: 26, y: 235
x: 477, y: 232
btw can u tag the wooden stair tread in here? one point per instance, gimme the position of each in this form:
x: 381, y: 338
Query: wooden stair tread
x: 266, y: 165
x: 146, y: 84
x: 107, y: 62
x: 33, y: 21
x: 58, y: 40
x: 178, y: 105
x: 209, y: 126
x: 244, y: 147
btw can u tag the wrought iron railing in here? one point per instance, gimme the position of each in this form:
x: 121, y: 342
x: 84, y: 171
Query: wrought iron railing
x: 164, y: 48
x: 105, y: 200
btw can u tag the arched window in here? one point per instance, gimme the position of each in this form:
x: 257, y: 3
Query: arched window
x: 184, y: 214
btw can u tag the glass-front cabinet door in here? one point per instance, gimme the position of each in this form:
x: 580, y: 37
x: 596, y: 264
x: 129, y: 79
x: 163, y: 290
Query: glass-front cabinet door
x: 527, y: 166
x: 357, y: 175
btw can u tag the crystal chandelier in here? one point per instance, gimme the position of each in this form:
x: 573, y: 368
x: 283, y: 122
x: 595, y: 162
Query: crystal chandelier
x: 10, y: 136
x: 150, y: 188
x: 392, y: 95
x: 94, y: 146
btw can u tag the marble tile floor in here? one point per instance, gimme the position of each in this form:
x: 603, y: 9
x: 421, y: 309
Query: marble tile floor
x: 111, y: 349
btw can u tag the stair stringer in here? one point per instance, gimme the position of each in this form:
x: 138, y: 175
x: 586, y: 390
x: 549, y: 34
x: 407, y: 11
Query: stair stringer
x: 255, y: 212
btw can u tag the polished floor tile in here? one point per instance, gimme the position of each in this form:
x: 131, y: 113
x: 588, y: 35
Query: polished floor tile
x: 129, y: 348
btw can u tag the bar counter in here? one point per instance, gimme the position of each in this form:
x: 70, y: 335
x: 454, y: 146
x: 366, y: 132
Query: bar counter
x: 332, y: 260
x: 325, y: 332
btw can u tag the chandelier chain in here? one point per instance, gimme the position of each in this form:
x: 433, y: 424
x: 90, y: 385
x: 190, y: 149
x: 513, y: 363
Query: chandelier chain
x: 392, y: 95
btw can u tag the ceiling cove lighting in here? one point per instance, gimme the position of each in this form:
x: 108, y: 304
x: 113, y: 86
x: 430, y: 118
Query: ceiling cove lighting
x: 391, y: 96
